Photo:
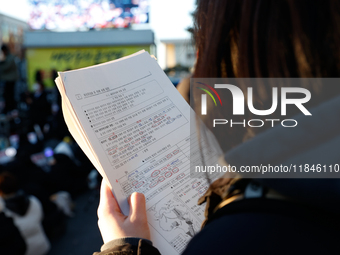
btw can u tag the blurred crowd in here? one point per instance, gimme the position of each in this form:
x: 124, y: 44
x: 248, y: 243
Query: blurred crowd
x: 41, y: 168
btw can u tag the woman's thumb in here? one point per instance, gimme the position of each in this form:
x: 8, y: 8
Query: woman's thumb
x: 137, y: 206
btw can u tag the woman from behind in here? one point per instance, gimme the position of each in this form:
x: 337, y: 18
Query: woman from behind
x: 241, y: 39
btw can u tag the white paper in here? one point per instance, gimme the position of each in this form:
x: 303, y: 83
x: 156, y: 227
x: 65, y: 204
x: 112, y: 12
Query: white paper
x: 138, y: 126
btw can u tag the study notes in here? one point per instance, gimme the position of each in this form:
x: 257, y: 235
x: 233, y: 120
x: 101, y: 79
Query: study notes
x: 135, y: 128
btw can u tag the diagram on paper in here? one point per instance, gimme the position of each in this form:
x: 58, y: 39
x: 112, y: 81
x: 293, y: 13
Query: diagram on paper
x: 174, y: 221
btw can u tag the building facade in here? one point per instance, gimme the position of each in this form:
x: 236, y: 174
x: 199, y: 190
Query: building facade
x: 11, y: 33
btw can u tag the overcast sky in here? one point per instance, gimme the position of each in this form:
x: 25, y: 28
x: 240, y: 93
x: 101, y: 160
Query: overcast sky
x: 168, y: 18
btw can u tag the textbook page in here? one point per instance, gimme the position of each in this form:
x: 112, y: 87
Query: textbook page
x: 138, y: 125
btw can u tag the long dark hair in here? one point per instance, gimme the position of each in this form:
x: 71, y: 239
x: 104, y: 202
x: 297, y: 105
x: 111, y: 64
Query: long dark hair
x: 266, y: 38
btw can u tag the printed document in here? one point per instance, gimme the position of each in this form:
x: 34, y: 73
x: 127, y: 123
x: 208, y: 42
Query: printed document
x: 135, y: 128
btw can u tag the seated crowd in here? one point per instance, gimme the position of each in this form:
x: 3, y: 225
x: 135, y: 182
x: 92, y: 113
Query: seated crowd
x: 43, y: 173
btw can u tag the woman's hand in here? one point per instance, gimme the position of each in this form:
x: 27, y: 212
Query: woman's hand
x: 113, y: 224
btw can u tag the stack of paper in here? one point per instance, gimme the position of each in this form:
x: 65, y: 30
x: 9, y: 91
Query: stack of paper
x: 135, y: 128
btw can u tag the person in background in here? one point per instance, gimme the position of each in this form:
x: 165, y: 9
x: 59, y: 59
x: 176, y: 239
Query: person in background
x: 21, y: 63
x: 9, y: 74
x: 26, y: 213
x: 39, y: 107
x: 255, y: 38
x: 11, y: 241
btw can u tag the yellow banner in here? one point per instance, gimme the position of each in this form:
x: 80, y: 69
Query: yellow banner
x: 51, y: 60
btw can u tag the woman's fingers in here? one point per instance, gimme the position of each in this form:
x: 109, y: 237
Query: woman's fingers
x: 137, y: 216
x: 113, y: 224
x: 108, y: 203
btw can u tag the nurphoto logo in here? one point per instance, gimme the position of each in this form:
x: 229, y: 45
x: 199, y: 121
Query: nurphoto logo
x: 239, y: 102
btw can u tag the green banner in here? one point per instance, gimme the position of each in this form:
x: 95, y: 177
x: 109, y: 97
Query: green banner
x: 48, y: 60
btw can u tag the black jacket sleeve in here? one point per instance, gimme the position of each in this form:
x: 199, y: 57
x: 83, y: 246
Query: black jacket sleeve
x: 128, y: 246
